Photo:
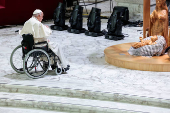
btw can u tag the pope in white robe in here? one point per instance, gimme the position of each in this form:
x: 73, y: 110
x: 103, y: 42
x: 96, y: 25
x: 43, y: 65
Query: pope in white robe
x: 40, y: 33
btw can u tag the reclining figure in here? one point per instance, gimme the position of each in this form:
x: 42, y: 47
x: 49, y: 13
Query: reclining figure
x: 145, y: 42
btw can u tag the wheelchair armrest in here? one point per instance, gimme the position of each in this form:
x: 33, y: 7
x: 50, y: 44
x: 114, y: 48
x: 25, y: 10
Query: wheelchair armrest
x: 45, y: 42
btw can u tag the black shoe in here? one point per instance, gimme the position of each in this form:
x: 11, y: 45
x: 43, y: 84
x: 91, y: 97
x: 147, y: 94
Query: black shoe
x: 67, y: 68
x: 53, y: 66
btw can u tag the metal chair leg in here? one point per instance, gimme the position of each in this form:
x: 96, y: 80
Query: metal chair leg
x: 85, y: 7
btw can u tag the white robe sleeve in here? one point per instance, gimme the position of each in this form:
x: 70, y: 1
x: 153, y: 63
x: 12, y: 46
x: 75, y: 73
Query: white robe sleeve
x: 41, y: 31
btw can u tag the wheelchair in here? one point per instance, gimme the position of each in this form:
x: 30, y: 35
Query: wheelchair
x: 34, y: 60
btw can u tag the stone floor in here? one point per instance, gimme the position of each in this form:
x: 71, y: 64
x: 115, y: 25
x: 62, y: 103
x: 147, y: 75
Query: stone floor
x: 86, y: 57
x: 88, y: 71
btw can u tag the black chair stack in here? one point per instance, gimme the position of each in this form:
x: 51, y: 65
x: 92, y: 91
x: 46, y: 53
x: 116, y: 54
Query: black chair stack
x: 118, y: 18
x: 94, y: 23
x: 59, y: 18
x: 76, y: 20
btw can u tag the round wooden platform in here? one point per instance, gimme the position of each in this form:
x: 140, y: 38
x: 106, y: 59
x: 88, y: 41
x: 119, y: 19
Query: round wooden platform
x: 117, y: 55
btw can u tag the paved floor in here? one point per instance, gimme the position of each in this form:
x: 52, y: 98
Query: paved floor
x: 88, y: 67
x: 89, y: 71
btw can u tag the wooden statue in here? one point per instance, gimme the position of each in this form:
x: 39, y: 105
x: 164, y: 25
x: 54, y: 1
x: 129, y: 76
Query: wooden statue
x: 159, y: 20
x: 158, y: 25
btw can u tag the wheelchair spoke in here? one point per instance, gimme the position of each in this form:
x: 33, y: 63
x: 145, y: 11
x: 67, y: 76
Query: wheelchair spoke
x: 40, y: 63
x: 31, y: 66
x: 35, y: 69
x: 43, y: 65
x: 36, y: 59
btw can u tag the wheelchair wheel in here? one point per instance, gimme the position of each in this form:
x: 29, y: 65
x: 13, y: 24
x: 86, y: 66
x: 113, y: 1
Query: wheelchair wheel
x: 16, y: 59
x: 39, y: 62
x: 58, y: 71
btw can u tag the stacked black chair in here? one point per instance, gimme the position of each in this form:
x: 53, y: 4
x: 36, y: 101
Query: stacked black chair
x: 76, y: 20
x: 94, y: 23
x: 118, y: 18
x: 124, y: 13
x: 59, y: 18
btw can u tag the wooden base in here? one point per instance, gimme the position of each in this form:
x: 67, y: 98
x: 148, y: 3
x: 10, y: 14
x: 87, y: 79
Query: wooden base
x: 117, y: 55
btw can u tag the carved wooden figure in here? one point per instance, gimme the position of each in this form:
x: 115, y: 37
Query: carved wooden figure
x: 159, y: 20
x: 145, y: 42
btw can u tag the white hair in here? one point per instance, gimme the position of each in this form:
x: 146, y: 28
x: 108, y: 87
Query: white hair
x: 35, y: 15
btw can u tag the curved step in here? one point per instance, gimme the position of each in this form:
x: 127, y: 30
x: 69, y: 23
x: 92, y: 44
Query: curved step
x: 22, y: 110
x: 72, y: 104
x: 66, y: 104
x: 86, y: 94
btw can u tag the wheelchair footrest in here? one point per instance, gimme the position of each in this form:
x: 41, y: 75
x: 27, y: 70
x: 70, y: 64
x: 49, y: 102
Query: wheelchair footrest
x: 114, y: 37
x: 93, y: 34
x: 76, y: 31
x: 59, y: 28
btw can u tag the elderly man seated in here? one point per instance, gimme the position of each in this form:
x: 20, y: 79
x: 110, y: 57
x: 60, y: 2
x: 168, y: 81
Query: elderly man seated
x: 40, y: 33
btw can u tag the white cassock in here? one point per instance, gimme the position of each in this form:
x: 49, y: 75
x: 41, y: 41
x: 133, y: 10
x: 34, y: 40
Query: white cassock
x: 40, y: 33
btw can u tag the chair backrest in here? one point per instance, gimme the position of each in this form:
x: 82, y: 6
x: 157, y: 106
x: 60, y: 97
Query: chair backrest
x: 124, y: 13
x: 73, y: 18
x: 94, y: 20
x: 59, y: 15
x: 111, y: 26
x: 76, y: 17
x: 27, y: 42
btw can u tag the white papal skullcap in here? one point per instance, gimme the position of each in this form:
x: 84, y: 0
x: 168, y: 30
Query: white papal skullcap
x: 37, y: 11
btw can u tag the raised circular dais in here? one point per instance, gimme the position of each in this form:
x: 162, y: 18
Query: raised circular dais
x: 117, y: 55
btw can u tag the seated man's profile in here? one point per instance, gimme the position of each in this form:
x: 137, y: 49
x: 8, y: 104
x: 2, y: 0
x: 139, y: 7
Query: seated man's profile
x: 40, y: 33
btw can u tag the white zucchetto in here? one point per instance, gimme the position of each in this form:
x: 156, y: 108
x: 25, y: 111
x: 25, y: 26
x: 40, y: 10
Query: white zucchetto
x: 37, y: 11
